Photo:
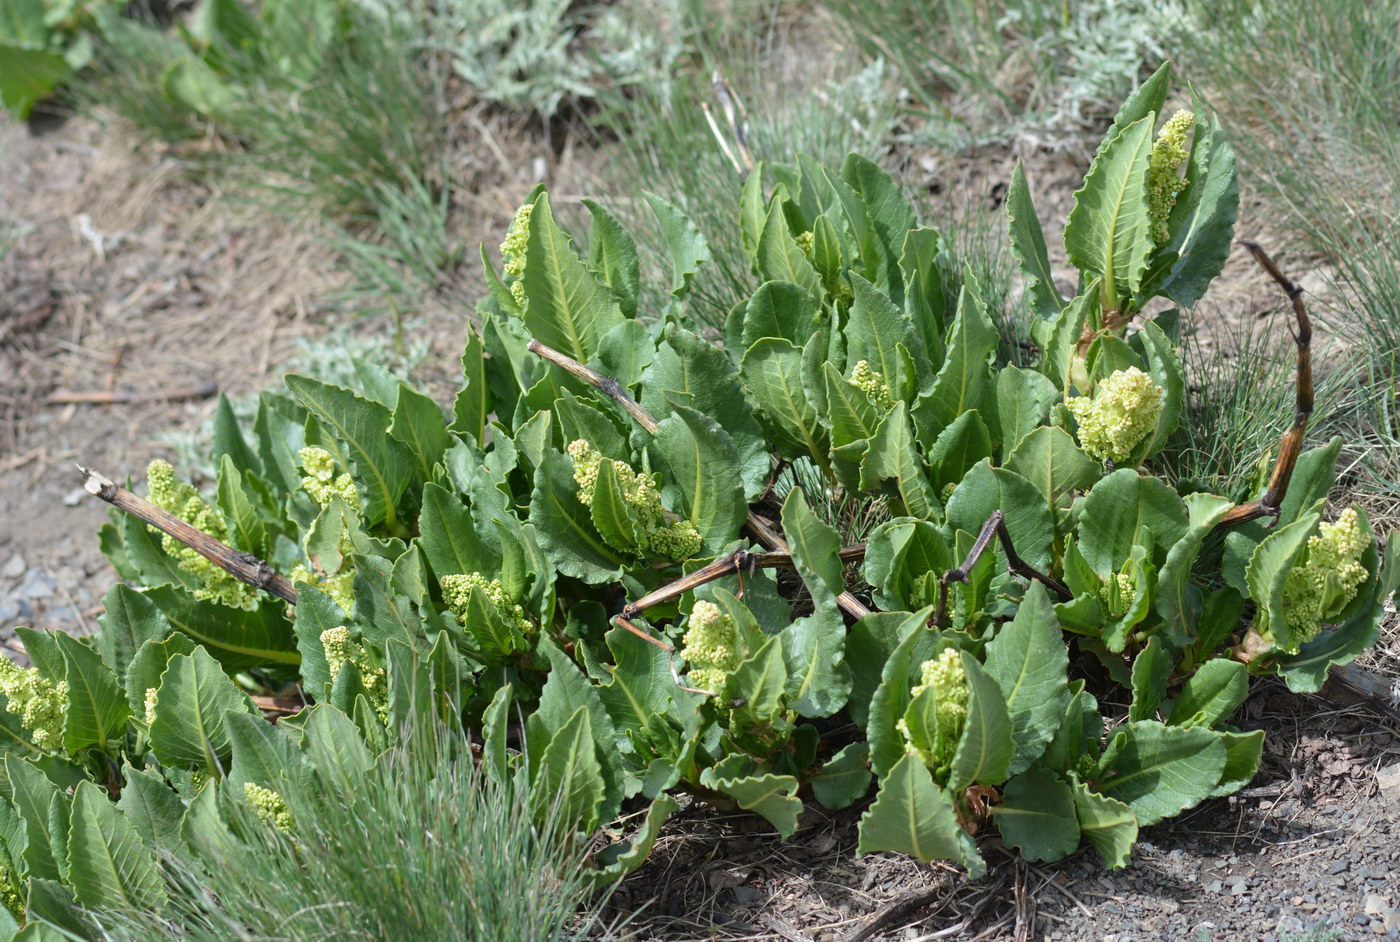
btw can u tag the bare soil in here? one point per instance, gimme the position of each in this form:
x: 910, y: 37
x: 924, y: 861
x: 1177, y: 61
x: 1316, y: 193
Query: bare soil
x: 126, y: 275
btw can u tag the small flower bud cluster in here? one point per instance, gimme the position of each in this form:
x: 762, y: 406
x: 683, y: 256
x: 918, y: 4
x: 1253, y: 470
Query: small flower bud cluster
x: 11, y: 894
x: 341, y: 649
x: 1317, y: 589
x: 710, y: 646
x: 340, y: 587
x: 513, y: 251
x: 1123, y: 411
x: 457, y: 593
x: 152, y: 694
x: 807, y: 242
x: 182, y: 499
x: 947, y: 678
x: 1117, y: 593
x: 658, y: 536
x: 1164, y: 177
x: 268, y: 805
x: 873, y: 385
x: 40, y: 704
x: 321, y: 481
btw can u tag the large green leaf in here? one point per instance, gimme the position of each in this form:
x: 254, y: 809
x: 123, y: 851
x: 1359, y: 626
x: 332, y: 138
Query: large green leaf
x: 965, y: 377
x: 153, y: 807
x: 109, y: 865
x: 1037, y: 815
x: 568, y: 778
x: 1028, y: 245
x: 891, y: 698
x: 814, y: 650
x: 248, y: 531
x: 911, y: 815
x: 472, y: 407
x: 240, y: 639
x: 758, y: 684
x: 985, y: 490
x: 779, y: 256
x: 448, y: 537
x: 1268, y: 572
x: 1109, y: 232
x: 986, y: 749
x: 566, y: 307
x: 190, y: 727
x: 687, y: 247
x: 880, y: 222
x: 1118, y: 510
x: 779, y: 309
x: 1178, y: 598
x: 611, y: 513
x: 1028, y: 660
x: 383, y: 467
x: 612, y: 255
x: 28, y: 75
x: 1023, y: 400
x: 128, y: 620
x: 893, y: 457
x: 565, y: 527
x: 419, y: 426
x: 815, y: 546
x: 874, y: 327
x: 844, y: 778
x: 1049, y: 459
x: 147, y: 666
x: 1108, y: 824
x: 1160, y: 770
x: 33, y: 794
x: 772, y: 371
x: 698, y: 459
x: 772, y: 796
x: 616, y: 862
x: 97, y: 709
x: 641, y: 685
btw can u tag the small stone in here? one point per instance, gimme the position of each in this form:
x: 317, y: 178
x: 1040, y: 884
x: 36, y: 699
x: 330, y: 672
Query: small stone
x: 1375, y: 905
x: 744, y: 895
x: 14, y: 567
x: 1339, y: 866
x: 74, y: 497
x: 37, y: 585
x: 14, y: 611
x: 1388, y: 779
x: 1214, y: 886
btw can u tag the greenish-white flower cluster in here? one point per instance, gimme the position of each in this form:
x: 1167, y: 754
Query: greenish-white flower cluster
x: 1318, y: 588
x: 268, y: 805
x: 658, y: 536
x: 1165, y: 180
x: 340, y: 650
x: 710, y: 646
x: 11, y: 893
x: 457, y: 593
x: 946, y: 677
x: 321, y: 480
x: 182, y: 499
x: 152, y: 694
x: 1118, y: 592
x: 513, y: 251
x: 873, y: 384
x: 40, y: 704
x: 340, y: 587
x: 1123, y: 411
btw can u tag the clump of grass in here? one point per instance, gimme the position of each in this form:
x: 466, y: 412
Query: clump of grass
x: 421, y: 844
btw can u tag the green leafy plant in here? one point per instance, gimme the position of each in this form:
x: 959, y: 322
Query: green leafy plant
x: 43, y: 44
x: 577, y: 560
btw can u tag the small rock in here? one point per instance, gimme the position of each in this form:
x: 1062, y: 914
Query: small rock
x: 74, y: 497
x: 1339, y: 866
x: 37, y: 585
x: 1375, y: 905
x: 1388, y: 779
x: 1214, y: 886
x: 14, y: 568
x: 744, y: 895
x: 14, y: 610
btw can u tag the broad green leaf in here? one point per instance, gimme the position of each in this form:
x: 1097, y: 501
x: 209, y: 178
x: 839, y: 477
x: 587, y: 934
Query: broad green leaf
x: 248, y: 532
x: 924, y: 297
x: 448, y: 535
x: 566, y: 690
x: 1242, y: 754
x: 1160, y: 770
x: 687, y: 247
x: 615, y: 862
x: 844, y: 779
x: 874, y: 326
x: 190, y: 726
x: 1037, y: 815
x: 815, y: 546
x: 566, y: 307
x: 579, y: 419
x: 1151, y: 669
x: 869, y: 645
x: 474, y: 403
x: 495, y: 719
x: 1268, y: 572
x: 780, y: 309
x: 918, y: 566
x: 144, y: 550
x: 891, y: 698
x: 1059, y: 337
x: 153, y: 808
x: 1108, y: 824
x: 753, y: 210
x: 986, y: 749
x: 1079, y: 731
x: 985, y: 490
x: 1117, y: 511
x: 568, y: 779
x: 699, y: 461
x: 129, y: 619
x: 1109, y: 232
x: 335, y: 748
x: 911, y: 815
x: 850, y: 415
x: 239, y: 638
x: 1049, y: 459
x: 565, y: 527
x: 1028, y: 660
x: 383, y: 467
x: 32, y: 794
x: 1028, y: 245
x: 28, y: 75
x: 612, y: 255
x: 1023, y: 399
x: 880, y: 228
x: 263, y: 753
x: 957, y: 448
x: 625, y: 352
x: 610, y: 512
x: 147, y: 666
x: 1178, y: 598
x: 418, y: 425
x: 109, y: 866
x: 641, y: 684
x: 893, y: 457
x: 772, y: 372
x: 814, y: 650
x: 772, y: 796
x: 965, y: 377
x: 760, y: 683
x: 316, y: 613
x: 97, y: 710
x: 1214, y: 691
x: 779, y: 256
